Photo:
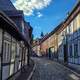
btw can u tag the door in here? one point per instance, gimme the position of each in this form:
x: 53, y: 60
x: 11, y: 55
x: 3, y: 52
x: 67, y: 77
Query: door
x: 49, y: 53
x: 52, y: 53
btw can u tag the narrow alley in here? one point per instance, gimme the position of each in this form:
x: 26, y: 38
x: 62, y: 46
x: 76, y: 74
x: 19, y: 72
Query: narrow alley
x: 39, y: 39
x: 50, y: 70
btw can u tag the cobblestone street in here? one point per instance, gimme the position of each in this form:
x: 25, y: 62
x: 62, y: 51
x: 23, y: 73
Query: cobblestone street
x: 50, y: 70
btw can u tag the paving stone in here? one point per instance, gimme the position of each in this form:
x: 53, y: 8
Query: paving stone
x: 50, y: 70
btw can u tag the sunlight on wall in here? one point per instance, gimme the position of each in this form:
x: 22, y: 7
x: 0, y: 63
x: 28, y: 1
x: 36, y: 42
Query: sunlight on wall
x: 74, y: 77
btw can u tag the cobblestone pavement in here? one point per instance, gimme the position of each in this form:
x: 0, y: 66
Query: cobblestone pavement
x: 50, y: 70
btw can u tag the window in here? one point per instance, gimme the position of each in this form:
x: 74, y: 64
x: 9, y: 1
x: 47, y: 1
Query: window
x: 79, y: 19
x: 6, y: 52
x: 75, y: 50
x: 70, y: 51
x: 13, y: 52
x: 20, y: 55
x: 75, y: 25
x: 69, y: 29
x: 9, y: 49
x: 11, y: 69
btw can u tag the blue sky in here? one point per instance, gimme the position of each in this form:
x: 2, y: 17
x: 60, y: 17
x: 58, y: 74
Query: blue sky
x: 47, y: 17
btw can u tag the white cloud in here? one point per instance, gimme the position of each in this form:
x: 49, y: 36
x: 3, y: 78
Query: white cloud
x: 39, y: 15
x: 28, y: 6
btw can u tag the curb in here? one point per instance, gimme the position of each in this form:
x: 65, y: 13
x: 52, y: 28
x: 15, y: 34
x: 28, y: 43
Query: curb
x: 77, y: 74
x: 32, y: 72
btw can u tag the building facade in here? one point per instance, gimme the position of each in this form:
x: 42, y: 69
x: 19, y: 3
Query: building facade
x: 36, y: 48
x: 68, y: 38
x: 15, y: 41
x: 63, y: 43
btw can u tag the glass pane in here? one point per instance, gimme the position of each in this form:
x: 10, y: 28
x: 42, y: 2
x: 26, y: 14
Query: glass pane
x: 76, y: 50
x: 4, y: 52
x: 13, y: 52
x: 70, y: 50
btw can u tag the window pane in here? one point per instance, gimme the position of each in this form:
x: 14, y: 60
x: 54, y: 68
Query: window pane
x: 4, y: 52
x: 75, y: 25
x: 13, y: 52
x: 9, y: 47
x: 75, y: 50
x: 70, y: 50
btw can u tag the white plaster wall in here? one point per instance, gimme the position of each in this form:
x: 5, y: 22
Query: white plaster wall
x: 11, y: 69
x: 7, y: 52
x: 18, y: 47
x: 26, y: 56
x: 7, y: 35
x: 0, y: 39
x: 19, y: 65
x: 5, y: 72
x: 17, y: 58
x: 78, y: 24
x: 16, y: 64
x: 0, y: 45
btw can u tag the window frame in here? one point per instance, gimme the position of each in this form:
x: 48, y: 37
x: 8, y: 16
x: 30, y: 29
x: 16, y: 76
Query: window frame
x: 75, y: 50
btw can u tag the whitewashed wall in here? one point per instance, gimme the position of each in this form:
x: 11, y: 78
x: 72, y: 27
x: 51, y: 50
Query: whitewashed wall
x: 5, y: 72
x: 0, y: 39
x: 6, y: 56
x: 0, y: 46
x: 26, y: 56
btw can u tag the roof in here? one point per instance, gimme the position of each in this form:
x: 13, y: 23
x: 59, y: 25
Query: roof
x: 12, y: 13
x: 28, y: 25
x: 55, y: 29
x: 74, y: 8
x: 6, y: 5
x: 51, y: 33
x: 11, y: 28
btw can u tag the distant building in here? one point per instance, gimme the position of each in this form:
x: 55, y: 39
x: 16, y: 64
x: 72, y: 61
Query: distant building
x: 36, y: 47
